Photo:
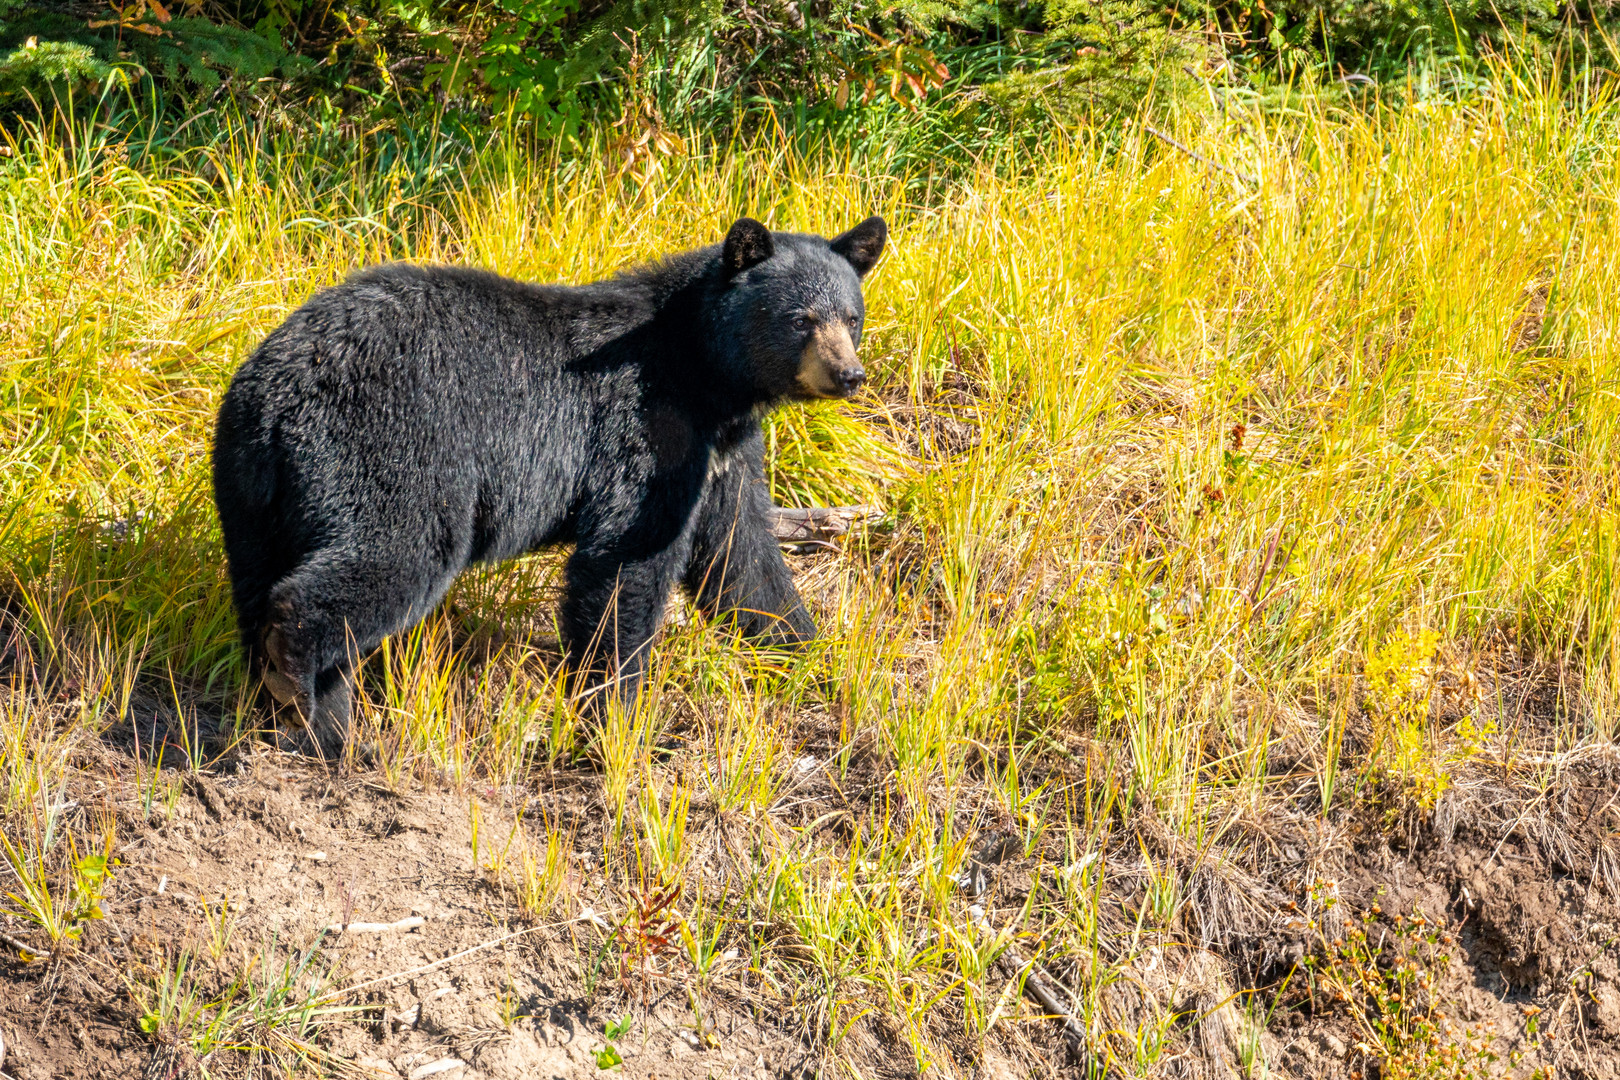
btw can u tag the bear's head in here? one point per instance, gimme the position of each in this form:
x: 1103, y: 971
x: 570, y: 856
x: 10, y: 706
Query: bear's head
x: 793, y: 302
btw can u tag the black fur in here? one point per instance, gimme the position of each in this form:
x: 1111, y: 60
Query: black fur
x: 414, y: 421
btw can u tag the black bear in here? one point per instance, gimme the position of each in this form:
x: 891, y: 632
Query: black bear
x: 413, y: 421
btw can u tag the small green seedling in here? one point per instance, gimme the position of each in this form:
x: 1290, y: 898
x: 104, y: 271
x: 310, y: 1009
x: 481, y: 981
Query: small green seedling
x: 608, y: 1057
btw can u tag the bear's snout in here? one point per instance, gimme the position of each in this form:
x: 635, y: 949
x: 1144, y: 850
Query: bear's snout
x: 828, y: 367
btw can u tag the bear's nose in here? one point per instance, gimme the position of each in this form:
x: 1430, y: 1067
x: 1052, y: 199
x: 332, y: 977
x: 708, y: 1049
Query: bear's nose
x: 851, y: 379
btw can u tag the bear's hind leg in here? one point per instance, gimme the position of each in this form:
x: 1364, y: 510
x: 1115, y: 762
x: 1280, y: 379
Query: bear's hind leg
x: 255, y: 567
x: 328, y: 614
x: 330, y: 722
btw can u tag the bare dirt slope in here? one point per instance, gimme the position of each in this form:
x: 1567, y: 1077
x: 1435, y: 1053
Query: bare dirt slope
x: 294, y: 850
x: 258, y: 860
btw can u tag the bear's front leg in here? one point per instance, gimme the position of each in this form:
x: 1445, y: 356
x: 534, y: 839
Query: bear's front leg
x: 611, y: 611
x: 736, y: 570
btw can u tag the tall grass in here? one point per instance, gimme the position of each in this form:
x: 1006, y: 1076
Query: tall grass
x: 1169, y: 452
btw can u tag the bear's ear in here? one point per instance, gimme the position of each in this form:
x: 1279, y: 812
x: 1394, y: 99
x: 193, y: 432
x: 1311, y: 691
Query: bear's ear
x: 747, y: 244
x: 862, y: 245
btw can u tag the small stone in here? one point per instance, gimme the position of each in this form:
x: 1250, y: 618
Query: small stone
x: 1603, y: 1012
x: 443, y: 1067
x: 1334, y: 1045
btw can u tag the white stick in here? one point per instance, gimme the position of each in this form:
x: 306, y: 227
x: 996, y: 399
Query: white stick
x: 21, y: 947
x: 425, y: 968
x: 410, y: 923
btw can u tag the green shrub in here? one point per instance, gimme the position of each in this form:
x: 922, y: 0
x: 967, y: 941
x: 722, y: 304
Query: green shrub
x: 35, y: 67
x: 1382, y: 37
x: 1111, y: 57
x: 952, y: 73
x: 50, y: 49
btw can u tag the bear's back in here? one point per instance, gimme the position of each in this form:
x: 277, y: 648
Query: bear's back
x: 447, y: 323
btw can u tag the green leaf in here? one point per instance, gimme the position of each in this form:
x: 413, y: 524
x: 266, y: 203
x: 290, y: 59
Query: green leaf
x: 150, y: 1023
x: 608, y: 1057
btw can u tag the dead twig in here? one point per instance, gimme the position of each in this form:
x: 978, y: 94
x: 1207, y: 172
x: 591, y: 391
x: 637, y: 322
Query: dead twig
x: 23, y: 947
x: 976, y: 879
x: 1190, y: 152
x: 1256, y: 600
x: 1034, y: 977
x: 801, y: 547
x: 345, y: 991
x: 801, y: 523
x: 410, y: 923
x: 1074, y: 1033
x: 586, y: 916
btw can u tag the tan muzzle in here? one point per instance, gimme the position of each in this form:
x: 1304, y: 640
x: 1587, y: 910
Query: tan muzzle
x: 828, y: 367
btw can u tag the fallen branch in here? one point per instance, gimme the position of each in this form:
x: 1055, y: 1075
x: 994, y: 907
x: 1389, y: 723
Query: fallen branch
x: 799, y: 523
x: 410, y: 923
x: 26, y: 949
x: 332, y: 995
x: 1015, y: 967
x: 975, y: 880
x: 1190, y: 152
x: 1074, y: 1033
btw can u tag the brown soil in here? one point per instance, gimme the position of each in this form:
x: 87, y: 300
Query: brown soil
x: 1524, y: 891
x: 1516, y: 889
x: 295, y: 850
x: 476, y: 991
x: 1522, y: 883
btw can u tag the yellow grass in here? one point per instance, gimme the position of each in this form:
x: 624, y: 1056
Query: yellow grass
x: 1219, y: 446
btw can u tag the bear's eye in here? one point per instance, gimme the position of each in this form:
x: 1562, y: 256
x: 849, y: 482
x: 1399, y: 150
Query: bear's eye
x: 854, y: 321
x: 801, y: 322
